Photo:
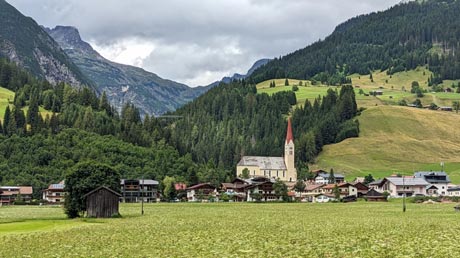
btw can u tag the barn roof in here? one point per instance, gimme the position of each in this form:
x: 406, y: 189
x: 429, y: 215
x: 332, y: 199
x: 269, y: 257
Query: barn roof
x: 99, y: 188
x: 264, y: 163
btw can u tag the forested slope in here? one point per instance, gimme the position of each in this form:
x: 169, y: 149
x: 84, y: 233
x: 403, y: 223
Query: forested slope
x: 405, y: 36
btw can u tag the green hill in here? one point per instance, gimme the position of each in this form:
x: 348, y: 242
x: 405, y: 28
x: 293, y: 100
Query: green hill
x: 398, y: 140
x: 401, y: 38
x: 395, y: 87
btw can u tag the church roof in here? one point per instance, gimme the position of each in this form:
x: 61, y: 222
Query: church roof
x: 264, y: 163
x: 289, y: 135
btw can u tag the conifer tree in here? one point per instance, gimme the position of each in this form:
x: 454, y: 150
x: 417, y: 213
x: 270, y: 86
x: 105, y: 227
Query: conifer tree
x: 286, y: 82
x: 6, y: 120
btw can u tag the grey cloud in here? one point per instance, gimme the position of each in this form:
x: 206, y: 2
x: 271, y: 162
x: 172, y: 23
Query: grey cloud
x: 191, y: 37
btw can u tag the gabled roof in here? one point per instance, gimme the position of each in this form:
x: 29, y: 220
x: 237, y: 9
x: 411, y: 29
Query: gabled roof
x: 434, y: 177
x: 100, y: 188
x: 56, y: 186
x: 198, y: 186
x: 331, y: 186
x: 376, y: 182
x: 313, y: 187
x: 409, y: 181
x: 326, y: 175
x: 264, y: 163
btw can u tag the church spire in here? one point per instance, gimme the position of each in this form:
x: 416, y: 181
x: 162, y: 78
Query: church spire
x: 289, y: 135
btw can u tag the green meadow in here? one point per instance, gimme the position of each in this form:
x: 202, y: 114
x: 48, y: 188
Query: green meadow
x: 6, y: 96
x: 237, y: 230
x: 397, y: 139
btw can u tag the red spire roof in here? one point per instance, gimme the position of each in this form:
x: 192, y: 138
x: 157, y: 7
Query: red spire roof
x: 289, y: 135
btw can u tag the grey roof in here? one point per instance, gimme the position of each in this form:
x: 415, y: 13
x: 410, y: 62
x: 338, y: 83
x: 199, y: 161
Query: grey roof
x: 376, y: 182
x: 56, y: 186
x: 143, y: 181
x: 433, y: 176
x: 411, y: 181
x: 454, y: 189
x: 326, y: 175
x: 264, y: 163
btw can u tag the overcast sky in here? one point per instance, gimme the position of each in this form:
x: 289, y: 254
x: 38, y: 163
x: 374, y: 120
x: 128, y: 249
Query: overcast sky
x: 197, y: 42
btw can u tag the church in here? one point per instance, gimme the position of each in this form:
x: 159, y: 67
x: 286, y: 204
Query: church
x: 272, y: 167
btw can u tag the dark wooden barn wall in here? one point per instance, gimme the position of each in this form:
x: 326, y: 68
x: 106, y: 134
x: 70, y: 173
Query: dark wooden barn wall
x: 102, y: 204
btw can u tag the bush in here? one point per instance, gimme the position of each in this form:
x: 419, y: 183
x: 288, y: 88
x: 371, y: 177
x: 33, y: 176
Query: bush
x: 295, y: 88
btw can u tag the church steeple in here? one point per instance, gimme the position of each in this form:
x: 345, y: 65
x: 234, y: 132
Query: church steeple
x: 289, y: 149
x: 289, y: 136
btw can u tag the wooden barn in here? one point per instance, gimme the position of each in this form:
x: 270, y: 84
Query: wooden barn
x: 102, y: 202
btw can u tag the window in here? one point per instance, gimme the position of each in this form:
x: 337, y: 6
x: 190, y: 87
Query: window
x: 284, y: 173
x: 277, y: 173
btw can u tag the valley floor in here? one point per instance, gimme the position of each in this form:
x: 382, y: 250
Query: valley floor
x: 236, y: 230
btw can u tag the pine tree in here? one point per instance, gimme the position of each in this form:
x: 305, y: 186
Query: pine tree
x: 20, y: 120
x: 286, y: 82
x: 6, y: 120
x: 104, y: 104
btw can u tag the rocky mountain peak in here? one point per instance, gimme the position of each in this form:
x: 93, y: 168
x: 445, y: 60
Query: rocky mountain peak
x: 69, y: 37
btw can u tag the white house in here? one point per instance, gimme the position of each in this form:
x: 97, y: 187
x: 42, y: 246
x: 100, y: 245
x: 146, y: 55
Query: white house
x: 455, y: 191
x: 323, y: 178
x: 398, y: 186
x: 55, y: 193
x: 439, y: 181
x: 201, y: 192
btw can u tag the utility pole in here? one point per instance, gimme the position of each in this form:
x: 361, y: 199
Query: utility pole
x: 142, y: 195
x: 404, y: 195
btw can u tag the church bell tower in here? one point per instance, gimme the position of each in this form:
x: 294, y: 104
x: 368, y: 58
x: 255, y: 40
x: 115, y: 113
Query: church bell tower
x: 289, y: 156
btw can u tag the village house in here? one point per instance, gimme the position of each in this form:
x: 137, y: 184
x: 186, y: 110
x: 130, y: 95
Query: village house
x: 323, y: 178
x: 439, y: 181
x: 375, y: 184
x: 136, y: 190
x: 54, y: 193
x: 373, y: 196
x: 361, y: 188
x: 400, y: 186
x: 454, y: 191
x: 345, y: 189
x: 310, y: 193
x: 261, y: 189
x: 202, y: 192
x: 236, y: 189
x: 10, y: 194
x: 282, y: 168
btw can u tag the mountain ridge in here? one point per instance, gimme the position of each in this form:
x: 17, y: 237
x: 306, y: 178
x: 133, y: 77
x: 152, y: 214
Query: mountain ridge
x: 124, y: 83
x: 25, y: 43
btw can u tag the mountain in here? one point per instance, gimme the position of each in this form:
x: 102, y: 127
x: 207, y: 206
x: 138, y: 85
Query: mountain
x: 24, y: 42
x: 408, y: 35
x: 124, y: 83
x: 238, y: 76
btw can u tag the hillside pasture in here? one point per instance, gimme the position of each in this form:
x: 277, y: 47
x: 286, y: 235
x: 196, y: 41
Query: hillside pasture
x: 6, y: 97
x: 397, y: 139
x: 241, y: 230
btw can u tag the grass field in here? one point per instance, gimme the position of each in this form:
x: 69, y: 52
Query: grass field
x: 396, y: 87
x: 239, y: 230
x: 398, y: 139
x: 5, y: 97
